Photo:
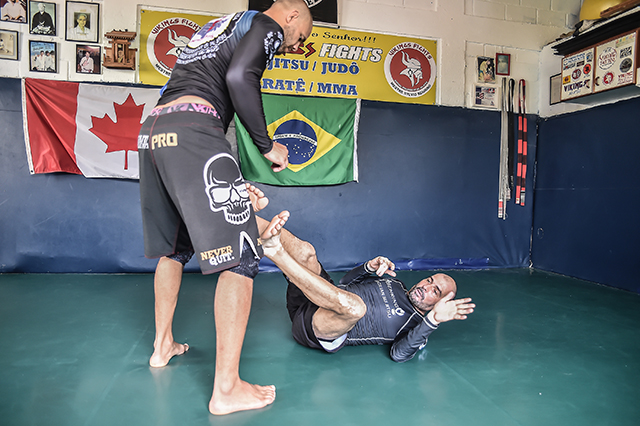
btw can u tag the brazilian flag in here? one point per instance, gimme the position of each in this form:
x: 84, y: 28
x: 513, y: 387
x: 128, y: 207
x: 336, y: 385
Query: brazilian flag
x: 320, y: 134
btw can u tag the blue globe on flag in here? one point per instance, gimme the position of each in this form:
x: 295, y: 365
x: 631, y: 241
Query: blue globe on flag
x: 299, y: 138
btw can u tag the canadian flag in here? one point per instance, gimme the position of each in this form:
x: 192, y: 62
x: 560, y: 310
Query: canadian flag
x: 88, y: 129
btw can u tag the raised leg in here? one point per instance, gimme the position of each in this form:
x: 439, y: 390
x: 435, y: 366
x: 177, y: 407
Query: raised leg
x: 339, y: 310
x: 167, y: 281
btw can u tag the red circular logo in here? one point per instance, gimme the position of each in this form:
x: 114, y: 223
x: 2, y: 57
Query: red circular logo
x: 410, y: 69
x: 166, y: 42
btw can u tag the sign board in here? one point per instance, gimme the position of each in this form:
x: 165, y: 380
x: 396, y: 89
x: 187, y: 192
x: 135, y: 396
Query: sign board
x: 577, y: 74
x: 615, y: 63
x: 354, y: 64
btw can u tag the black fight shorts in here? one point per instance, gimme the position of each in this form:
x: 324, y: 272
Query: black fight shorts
x: 301, y: 311
x: 192, y: 193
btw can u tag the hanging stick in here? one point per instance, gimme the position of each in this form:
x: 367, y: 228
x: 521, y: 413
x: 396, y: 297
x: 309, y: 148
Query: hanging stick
x: 512, y: 142
x: 503, y: 182
x: 523, y: 176
x: 519, y: 157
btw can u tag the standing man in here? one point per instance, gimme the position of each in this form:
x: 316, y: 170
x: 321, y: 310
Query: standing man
x: 193, y: 196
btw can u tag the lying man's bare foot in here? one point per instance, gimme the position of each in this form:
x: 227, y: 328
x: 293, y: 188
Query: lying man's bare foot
x: 162, y: 355
x: 270, y: 237
x: 258, y: 200
x: 242, y: 396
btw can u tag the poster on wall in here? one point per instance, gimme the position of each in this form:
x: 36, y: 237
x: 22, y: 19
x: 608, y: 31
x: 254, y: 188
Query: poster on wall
x: 615, y: 63
x: 163, y: 35
x: 13, y: 11
x: 43, y: 18
x: 8, y: 44
x: 88, y: 59
x: 577, y: 74
x: 486, y: 96
x: 83, y: 21
x: 486, y: 70
x: 325, y: 11
x: 43, y: 56
x: 342, y: 63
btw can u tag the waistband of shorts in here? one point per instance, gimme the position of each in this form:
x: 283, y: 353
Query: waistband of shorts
x: 190, y: 107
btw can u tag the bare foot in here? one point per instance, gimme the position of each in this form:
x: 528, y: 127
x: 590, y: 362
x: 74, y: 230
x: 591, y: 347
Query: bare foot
x: 242, y: 396
x: 270, y: 237
x: 161, y: 356
x: 258, y: 200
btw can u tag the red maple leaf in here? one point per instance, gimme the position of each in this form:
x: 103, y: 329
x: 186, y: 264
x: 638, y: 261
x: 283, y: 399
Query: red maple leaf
x: 122, y: 134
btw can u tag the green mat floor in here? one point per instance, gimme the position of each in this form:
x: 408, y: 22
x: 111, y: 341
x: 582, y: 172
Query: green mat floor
x: 541, y: 349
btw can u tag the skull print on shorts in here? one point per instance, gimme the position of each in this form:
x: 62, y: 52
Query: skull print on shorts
x: 226, y: 189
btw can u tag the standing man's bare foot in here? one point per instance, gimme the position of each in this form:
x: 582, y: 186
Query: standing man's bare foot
x: 161, y: 354
x: 240, y: 397
x: 258, y: 200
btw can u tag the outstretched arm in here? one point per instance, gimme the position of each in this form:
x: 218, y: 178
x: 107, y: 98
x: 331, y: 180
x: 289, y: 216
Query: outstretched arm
x: 407, y: 345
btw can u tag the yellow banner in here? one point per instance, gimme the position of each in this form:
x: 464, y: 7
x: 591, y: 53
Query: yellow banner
x: 163, y: 35
x: 353, y: 64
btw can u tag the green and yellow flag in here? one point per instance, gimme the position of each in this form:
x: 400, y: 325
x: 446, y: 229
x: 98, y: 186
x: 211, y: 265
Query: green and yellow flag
x: 320, y: 134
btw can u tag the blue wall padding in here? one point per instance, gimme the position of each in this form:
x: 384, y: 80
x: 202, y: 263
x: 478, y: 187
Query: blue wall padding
x: 410, y: 265
x: 427, y: 190
x: 587, y: 197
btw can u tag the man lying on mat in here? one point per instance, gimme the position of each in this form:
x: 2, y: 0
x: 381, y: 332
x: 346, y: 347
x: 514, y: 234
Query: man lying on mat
x: 365, y: 308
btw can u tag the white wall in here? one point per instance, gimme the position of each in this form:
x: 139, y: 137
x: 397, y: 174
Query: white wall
x: 464, y: 30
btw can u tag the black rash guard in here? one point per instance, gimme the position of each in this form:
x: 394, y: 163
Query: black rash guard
x: 390, y: 318
x: 223, y: 64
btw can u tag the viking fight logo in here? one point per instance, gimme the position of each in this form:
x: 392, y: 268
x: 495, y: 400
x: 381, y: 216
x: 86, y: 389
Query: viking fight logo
x: 166, y: 42
x: 410, y: 69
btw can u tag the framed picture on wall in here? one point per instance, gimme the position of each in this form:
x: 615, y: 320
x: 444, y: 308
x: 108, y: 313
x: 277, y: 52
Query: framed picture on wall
x: 503, y: 64
x: 555, y: 89
x: 8, y: 44
x: 82, y: 23
x: 486, y: 70
x: 13, y: 11
x: 43, y: 18
x: 88, y: 59
x: 486, y: 96
x: 43, y: 56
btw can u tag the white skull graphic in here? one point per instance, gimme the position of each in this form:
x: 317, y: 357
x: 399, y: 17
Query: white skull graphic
x: 226, y: 189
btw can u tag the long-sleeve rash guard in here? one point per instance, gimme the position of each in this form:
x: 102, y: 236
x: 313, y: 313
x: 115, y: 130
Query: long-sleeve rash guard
x: 223, y: 64
x: 390, y: 318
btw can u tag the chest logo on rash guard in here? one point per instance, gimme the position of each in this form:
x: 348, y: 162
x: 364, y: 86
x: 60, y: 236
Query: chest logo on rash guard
x: 272, y: 43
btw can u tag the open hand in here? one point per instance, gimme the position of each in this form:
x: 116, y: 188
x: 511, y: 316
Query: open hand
x: 447, y: 309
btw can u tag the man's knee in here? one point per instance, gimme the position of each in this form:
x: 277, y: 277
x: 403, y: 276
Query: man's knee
x: 352, y: 306
x: 308, y: 255
x: 302, y: 251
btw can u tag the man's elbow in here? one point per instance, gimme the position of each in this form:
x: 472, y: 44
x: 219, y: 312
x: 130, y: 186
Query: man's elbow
x: 398, y: 356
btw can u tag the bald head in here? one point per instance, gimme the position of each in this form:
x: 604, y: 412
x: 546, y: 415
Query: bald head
x: 295, y: 19
x: 429, y: 291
